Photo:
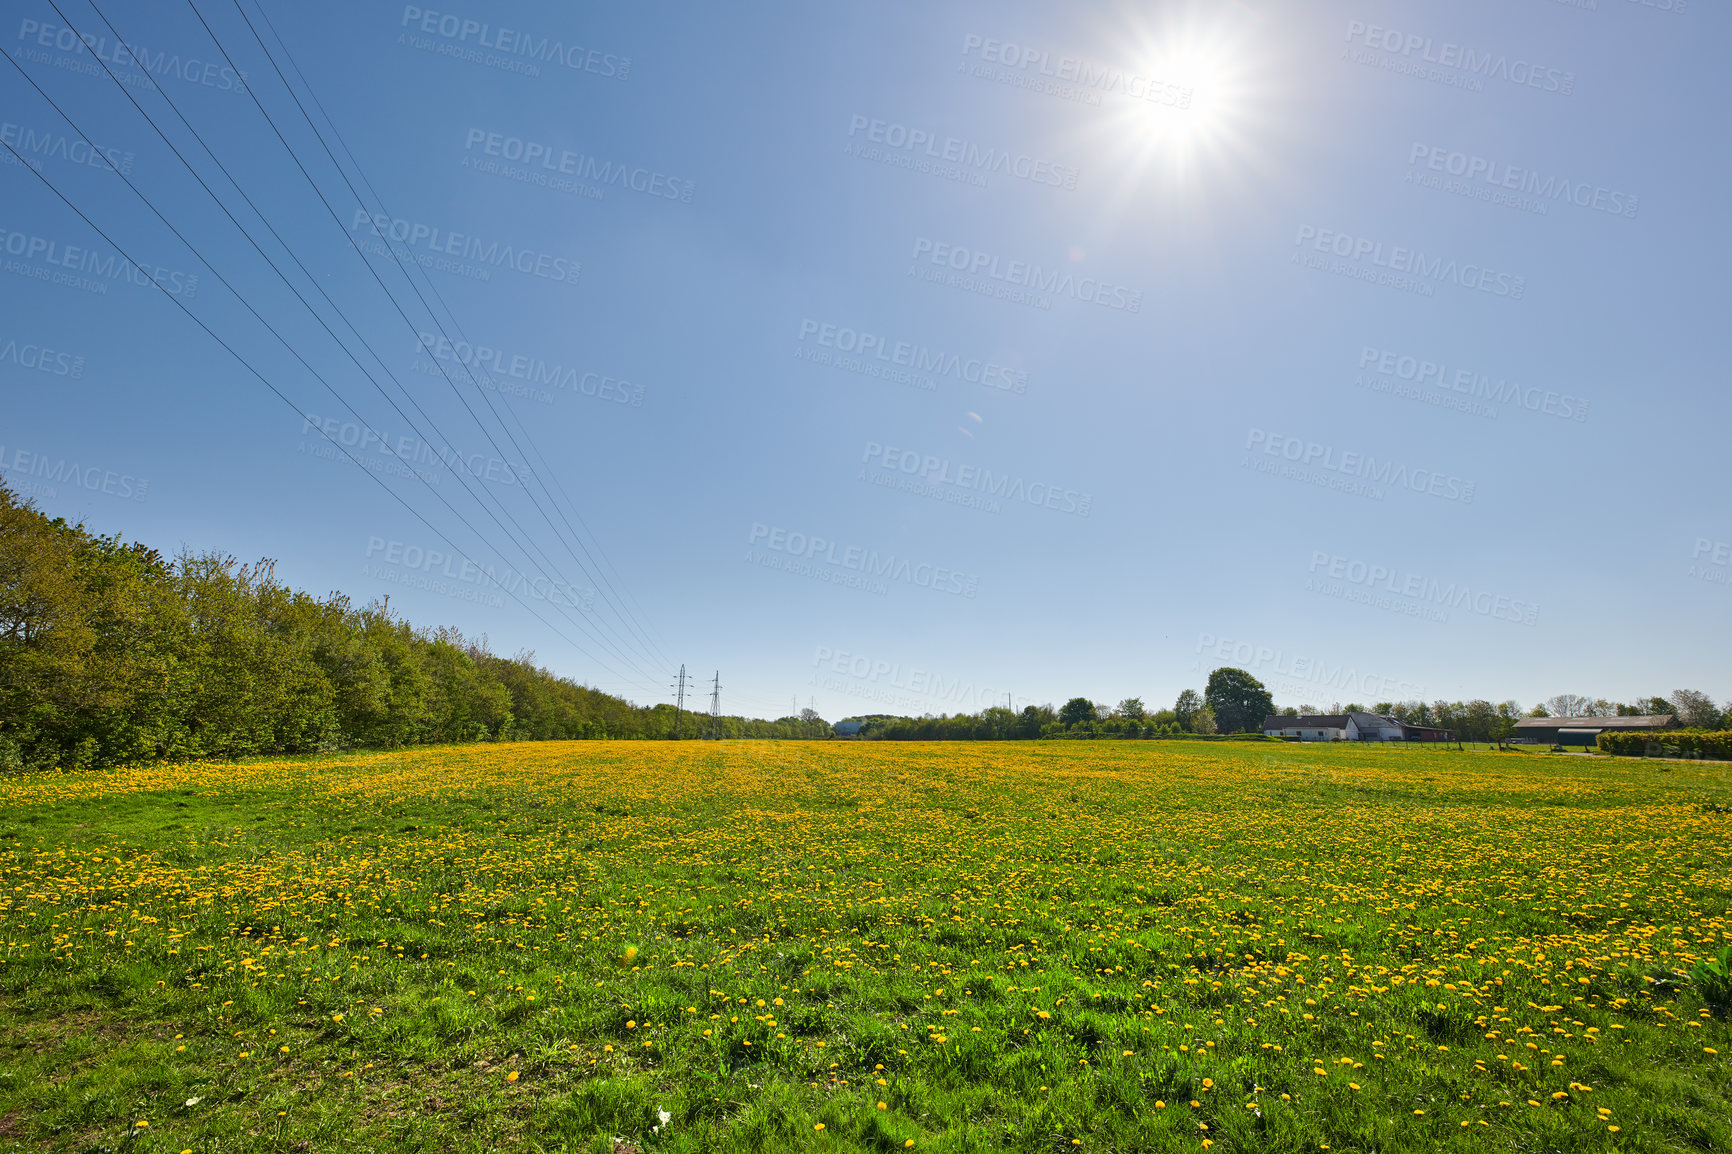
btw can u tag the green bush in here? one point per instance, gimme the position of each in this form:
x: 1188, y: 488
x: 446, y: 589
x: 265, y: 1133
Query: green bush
x: 1669, y: 743
x: 111, y: 653
x: 1712, y: 978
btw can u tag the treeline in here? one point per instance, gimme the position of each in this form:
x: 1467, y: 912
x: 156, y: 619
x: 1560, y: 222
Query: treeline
x: 1234, y: 703
x: 111, y: 654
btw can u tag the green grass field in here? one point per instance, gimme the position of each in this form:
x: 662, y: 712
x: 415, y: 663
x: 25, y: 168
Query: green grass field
x: 624, y: 947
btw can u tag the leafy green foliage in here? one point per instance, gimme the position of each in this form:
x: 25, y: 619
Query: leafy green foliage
x: 1238, y: 700
x: 1668, y: 743
x: 1712, y: 978
x: 1075, y: 710
x: 110, y: 654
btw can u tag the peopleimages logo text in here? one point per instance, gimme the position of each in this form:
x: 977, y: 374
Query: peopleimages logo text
x: 1421, y: 371
x: 1360, y: 466
x: 981, y: 158
x: 41, y: 358
x: 1455, y: 595
x: 1717, y: 552
x: 22, y: 463
x: 915, y: 357
x: 1312, y: 673
x: 867, y: 562
x: 487, y: 361
x: 935, y: 471
x: 119, y: 54
x: 1075, y: 70
x: 58, y: 146
x: 82, y: 259
x: 1709, y: 561
x: 411, y: 451
x: 1525, y: 181
x: 438, y: 563
x: 910, y: 678
x: 1024, y: 274
x: 1413, y: 48
x: 580, y: 166
x: 526, y: 46
x: 462, y: 247
x: 1411, y: 262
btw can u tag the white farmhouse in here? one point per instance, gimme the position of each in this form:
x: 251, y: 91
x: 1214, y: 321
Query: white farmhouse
x: 1352, y: 726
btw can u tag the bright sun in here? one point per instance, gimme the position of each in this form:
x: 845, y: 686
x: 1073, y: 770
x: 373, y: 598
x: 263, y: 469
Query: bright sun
x: 1192, y: 91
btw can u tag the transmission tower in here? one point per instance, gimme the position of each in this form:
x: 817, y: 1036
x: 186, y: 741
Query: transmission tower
x: 679, y: 688
x: 716, y: 706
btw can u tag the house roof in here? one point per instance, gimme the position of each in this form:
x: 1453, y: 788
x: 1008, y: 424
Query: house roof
x: 1306, y: 721
x: 1643, y: 721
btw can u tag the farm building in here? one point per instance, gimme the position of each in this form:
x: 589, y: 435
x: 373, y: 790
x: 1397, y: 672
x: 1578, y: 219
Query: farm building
x: 848, y: 728
x: 1353, y: 726
x: 1583, y: 730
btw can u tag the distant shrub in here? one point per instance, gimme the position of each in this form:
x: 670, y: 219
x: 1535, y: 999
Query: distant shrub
x: 1669, y: 743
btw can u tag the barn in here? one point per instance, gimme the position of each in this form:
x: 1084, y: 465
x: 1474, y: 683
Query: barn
x: 1584, y: 730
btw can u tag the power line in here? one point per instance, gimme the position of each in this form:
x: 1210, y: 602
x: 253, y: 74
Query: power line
x: 266, y: 382
x: 465, y: 479
x: 407, y: 275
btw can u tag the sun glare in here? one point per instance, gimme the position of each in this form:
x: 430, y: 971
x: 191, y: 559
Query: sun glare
x: 1192, y: 93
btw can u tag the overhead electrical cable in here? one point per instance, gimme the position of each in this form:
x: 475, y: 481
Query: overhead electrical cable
x: 127, y: 256
x: 465, y: 478
x: 618, y: 611
x: 602, y: 561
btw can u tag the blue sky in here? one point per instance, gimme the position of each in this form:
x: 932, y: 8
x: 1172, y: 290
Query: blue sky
x: 905, y: 357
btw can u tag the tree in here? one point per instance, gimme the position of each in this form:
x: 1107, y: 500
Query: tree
x: 1131, y: 708
x: 1239, y: 701
x: 1413, y: 713
x: 1033, y: 719
x: 1478, y: 721
x: 1186, y: 706
x: 1568, y: 705
x: 1695, y: 710
x: 1203, y: 721
x: 1075, y: 710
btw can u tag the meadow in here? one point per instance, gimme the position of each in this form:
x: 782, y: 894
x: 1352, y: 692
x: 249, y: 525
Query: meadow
x: 630, y: 946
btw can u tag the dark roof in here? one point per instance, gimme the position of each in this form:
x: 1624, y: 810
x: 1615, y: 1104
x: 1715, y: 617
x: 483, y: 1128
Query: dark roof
x: 1644, y: 721
x: 1306, y: 721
